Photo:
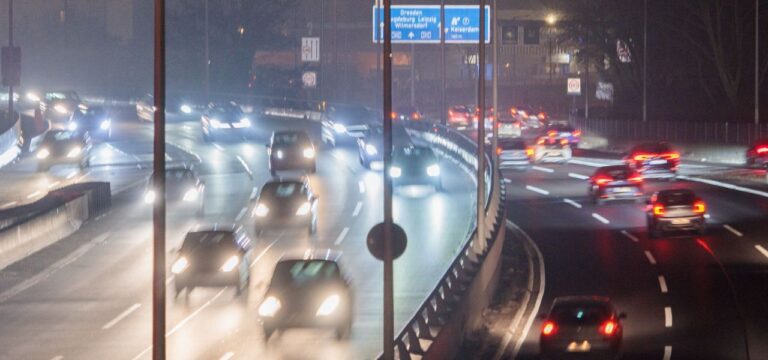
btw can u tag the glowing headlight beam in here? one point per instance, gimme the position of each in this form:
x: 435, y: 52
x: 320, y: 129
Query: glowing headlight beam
x: 303, y: 209
x: 328, y: 306
x: 180, y: 265
x: 269, y: 307
x: 230, y: 264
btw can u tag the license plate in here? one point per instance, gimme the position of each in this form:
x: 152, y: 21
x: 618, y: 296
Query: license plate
x: 658, y: 162
x: 579, y: 346
x: 622, y: 189
x: 680, y: 221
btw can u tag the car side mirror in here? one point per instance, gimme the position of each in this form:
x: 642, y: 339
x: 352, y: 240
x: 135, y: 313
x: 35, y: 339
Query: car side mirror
x: 622, y: 316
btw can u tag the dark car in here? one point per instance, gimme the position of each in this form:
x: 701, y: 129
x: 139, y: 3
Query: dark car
x: 514, y: 154
x: 224, y: 119
x: 460, y: 116
x: 291, y: 150
x: 578, y: 326
x: 680, y: 209
x: 654, y: 160
x: 95, y: 120
x: 216, y: 256
x: 564, y: 131
x: 407, y: 113
x: 183, y: 190
x: 370, y: 145
x: 308, y: 290
x: 415, y: 165
x: 618, y: 182
x: 59, y: 106
x: 343, y: 124
x: 757, y: 154
x: 285, y: 203
x: 64, y: 147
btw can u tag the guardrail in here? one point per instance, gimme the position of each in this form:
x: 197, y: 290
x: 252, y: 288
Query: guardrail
x: 10, y: 145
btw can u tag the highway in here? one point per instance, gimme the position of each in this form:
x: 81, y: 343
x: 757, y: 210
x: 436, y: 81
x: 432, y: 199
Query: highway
x: 89, y: 295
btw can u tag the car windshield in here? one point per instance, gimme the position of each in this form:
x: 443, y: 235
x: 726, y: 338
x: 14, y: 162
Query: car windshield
x: 615, y: 172
x: 587, y: 314
x: 413, y: 152
x: 652, y: 148
x: 282, y: 190
x: 305, y: 273
x: 52, y: 96
x: 677, y: 198
x: 54, y: 136
x: 290, y: 138
x: 513, y: 145
x: 227, y: 111
x: 208, y: 241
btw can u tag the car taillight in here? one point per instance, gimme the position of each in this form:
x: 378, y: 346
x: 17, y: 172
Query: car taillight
x: 498, y: 151
x: 563, y: 141
x: 642, y: 157
x: 416, y: 116
x: 699, y: 207
x: 602, y: 180
x: 542, y: 116
x: 540, y: 141
x: 762, y: 150
x: 551, y: 133
x: 658, y: 210
x: 671, y: 156
x: 513, y: 111
x: 636, y: 178
x: 577, y: 133
x: 549, y: 328
x: 529, y: 151
x: 608, y: 328
x: 393, y: 115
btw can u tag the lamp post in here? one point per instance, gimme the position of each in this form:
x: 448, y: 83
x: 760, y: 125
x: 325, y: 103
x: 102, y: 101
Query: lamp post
x: 645, y: 60
x: 551, y: 21
x: 757, y: 62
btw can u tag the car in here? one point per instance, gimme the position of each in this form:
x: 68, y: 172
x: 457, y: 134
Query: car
x: 617, y: 182
x: 678, y: 209
x: 95, y: 120
x: 564, y: 131
x: 291, y: 150
x: 549, y: 149
x: 514, y: 154
x: 224, y: 120
x: 654, y: 160
x: 213, y: 256
x: 59, y: 106
x: 183, y: 190
x: 415, y: 165
x: 407, y: 113
x: 285, y: 203
x: 308, y: 290
x: 757, y: 154
x: 509, y: 127
x: 369, y: 145
x: 528, y: 117
x: 460, y: 116
x: 581, y: 326
x: 343, y: 124
x: 64, y: 147
x: 490, y: 116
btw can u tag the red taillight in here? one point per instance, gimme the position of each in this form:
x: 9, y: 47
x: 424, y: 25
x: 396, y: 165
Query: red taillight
x: 602, y: 180
x: 549, y: 328
x: 642, y: 157
x: 671, y: 156
x: 415, y: 116
x: 551, y: 133
x: 762, y: 150
x: 699, y: 207
x: 498, y: 151
x: 394, y: 114
x: 577, y: 133
x: 658, y: 210
x: 542, y: 116
x: 608, y: 328
x: 636, y: 178
x: 563, y: 141
x: 529, y: 152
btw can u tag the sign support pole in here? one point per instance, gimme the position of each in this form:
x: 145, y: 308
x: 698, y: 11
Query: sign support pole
x: 389, y: 317
x: 481, y: 127
x: 443, y: 101
x: 158, y: 182
x: 11, y: 116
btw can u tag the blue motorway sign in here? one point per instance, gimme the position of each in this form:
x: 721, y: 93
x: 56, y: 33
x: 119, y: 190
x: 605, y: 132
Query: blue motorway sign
x: 463, y: 24
x: 410, y: 24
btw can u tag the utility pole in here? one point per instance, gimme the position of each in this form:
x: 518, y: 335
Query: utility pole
x: 389, y: 308
x: 586, y: 83
x: 11, y: 116
x: 645, y: 60
x: 158, y: 182
x: 443, y: 105
x: 757, y: 62
x: 413, y: 75
x: 207, y: 59
x: 495, y: 96
x: 481, y: 126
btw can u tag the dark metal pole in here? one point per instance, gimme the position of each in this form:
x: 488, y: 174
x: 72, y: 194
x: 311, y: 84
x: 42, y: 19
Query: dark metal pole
x: 413, y: 75
x: 389, y: 312
x: 481, y: 126
x: 11, y: 116
x: 645, y: 60
x: 586, y: 83
x: 757, y: 62
x: 443, y: 105
x: 496, y: 112
x: 207, y: 59
x: 158, y: 213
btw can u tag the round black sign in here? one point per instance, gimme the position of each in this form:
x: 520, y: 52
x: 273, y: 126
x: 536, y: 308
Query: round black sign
x: 375, y: 241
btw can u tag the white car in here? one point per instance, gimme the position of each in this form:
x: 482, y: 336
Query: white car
x: 550, y: 150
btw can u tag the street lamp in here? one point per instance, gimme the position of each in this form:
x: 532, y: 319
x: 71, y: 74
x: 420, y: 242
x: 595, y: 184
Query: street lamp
x: 551, y: 21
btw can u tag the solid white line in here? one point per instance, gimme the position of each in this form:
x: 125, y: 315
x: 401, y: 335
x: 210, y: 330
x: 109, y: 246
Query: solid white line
x: 663, y: 284
x: 630, y: 236
x: 762, y: 250
x: 227, y: 356
x: 600, y: 218
x: 241, y: 213
x: 543, y: 169
x: 508, y: 181
x: 667, y: 352
x: 361, y: 185
x: 725, y: 185
x: 578, y: 176
x: 247, y: 169
x: 53, y: 185
x: 71, y: 175
x: 734, y: 231
x: 36, y: 193
x: 538, y: 190
x: 650, y: 257
x: 122, y: 316
x: 218, y: 147
x: 573, y: 203
x: 341, y: 237
x: 358, y: 207
x: 668, y: 317
x: 586, y: 163
x: 265, y: 250
x: 8, y: 204
x: 57, y: 357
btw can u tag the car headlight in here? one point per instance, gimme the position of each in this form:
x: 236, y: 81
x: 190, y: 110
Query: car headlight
x: 185, y: 108
x: 339, y: 128
x: 216, y: 123
x: 243, y: 123
x: 261, y: 210
x: 279, y: 154
x: 395, y: 172
x: 433, y: 170
x: 33, y: 97
x: 43, y: 154
x: 370, y: 149
x: 303, y: 209
x: 72, y: 126
x: 180, y: 265
x: 231, y: 263
x: 191, y: 195
x: 309, y: 153
x: 105, y: 124
x: 61, y: 109
x: 149, y: 197
x: 74, y: 152
x: 82, y: 107
x: 328, y: 306
x: 269, y: 307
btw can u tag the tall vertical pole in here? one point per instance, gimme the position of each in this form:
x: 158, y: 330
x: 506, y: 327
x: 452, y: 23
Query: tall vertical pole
x: 757, y: 62
x: 481, y: 127
x: 496, y: 111
x: 207, y: 59
x: 389, y: 312
x: 11, y: 116
x: 549, y: 32
x: 158, y: 180
x: 443, y: 105
x: 645, y: 60
x: 335, y: 77
x: 586, y: 83
x: 413, y: 75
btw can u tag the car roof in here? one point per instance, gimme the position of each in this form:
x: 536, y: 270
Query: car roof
x: 612, y: 168
x: 287, y: 180
x: 581, y: 300
x: 294, y: 131
x: 652, y: 146
x: 312, y: 254
x: 667, y: 192
x: 216, y: 227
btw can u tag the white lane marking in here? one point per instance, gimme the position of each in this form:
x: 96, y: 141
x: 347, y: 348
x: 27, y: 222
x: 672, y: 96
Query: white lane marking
x: 358, y: 207
x: 253, y: 193
x: 725, y: 185
x: 668, y: 317
x: 630, y: 236
x: 53, y: 185
x: 241, y: 213
x: 169, y: 280
x: 218, y: 147
x: 762, y: 250
x: 361, y: 185
x: 26, y: 284
x: 586, y: 163
x: 734, y: 231
x: 650, y: 257
x: 600, y: 218
x: 71, y: 175
x: 122, y: 316
x: 572, y: 203
x: 341, y: 237
x: 36, y: 193
x: 508, y: 181
x: 168, y: 157
x: 247, y: 169
x: 57, y: 357
x: 227, y: 356
x: 667, y: 352
x: 578, y: 176
x: 539, y: 296
x: 663, y: 284
x: 537, y: 190
x: 9, y: 204
x: 543, y: 169
x: 263, y: 252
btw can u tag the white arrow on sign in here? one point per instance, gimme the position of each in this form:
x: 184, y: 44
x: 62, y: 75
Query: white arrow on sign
x: 411, y: 35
